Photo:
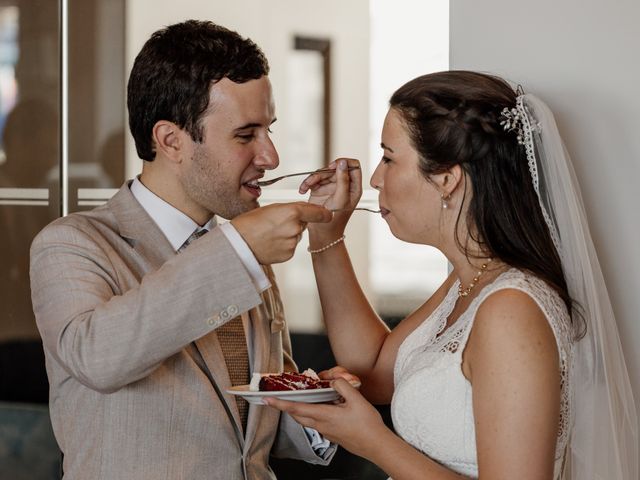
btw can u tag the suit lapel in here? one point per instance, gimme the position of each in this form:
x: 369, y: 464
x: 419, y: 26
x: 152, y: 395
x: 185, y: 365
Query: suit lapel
x: 139, y: 229
x: 147, y: 239
x: 261, y: 319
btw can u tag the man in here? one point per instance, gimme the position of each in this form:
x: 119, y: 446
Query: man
x: 144, y: 326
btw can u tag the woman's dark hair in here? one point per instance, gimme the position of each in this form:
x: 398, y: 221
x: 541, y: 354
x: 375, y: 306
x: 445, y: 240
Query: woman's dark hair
x: 174, y: 71
x: 453, y: 118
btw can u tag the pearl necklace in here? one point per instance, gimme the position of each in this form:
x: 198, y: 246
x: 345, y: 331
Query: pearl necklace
x: 463, y: 292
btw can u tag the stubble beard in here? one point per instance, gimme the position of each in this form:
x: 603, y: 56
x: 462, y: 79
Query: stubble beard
x: 207, y: 184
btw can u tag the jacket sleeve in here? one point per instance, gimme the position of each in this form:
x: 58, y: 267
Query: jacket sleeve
x: 293, y: 442
x: 107, y: 338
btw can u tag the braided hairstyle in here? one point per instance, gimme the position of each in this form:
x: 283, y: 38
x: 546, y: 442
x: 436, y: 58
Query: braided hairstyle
x: 453, y: 118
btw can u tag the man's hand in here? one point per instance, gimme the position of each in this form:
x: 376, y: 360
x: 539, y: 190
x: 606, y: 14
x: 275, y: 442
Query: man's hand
x: 273, y: 232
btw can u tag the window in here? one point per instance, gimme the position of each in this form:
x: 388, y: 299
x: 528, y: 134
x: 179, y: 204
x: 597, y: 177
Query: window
x: 408, y: 38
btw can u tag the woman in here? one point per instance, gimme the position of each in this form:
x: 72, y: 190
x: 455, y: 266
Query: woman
x: 480, y: 377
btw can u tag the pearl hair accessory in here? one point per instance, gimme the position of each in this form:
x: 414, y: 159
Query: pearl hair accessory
x: 463, y: 292
x: 513, y: 122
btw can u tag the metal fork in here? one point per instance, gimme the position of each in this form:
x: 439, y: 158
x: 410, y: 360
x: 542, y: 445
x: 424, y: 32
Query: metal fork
x: 356, y: 208
x: 264, y: 183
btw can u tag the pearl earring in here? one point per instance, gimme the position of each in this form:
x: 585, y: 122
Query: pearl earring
x: 445, y: 201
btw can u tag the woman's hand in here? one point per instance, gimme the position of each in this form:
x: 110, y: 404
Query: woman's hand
x: 340, y: 191
x: 354, y: 423
x: 339, y: 372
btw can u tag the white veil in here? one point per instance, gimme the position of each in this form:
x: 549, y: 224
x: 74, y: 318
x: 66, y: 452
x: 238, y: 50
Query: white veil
x: 604, y: 440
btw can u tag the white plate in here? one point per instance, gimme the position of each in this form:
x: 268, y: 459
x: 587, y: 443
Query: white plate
x: 317, y: 395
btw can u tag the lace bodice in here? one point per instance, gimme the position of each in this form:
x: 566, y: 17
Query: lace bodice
x: 432, y: 402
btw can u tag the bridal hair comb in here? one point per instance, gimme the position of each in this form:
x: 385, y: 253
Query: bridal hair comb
x: 512, y: 122
x: 517, y: 119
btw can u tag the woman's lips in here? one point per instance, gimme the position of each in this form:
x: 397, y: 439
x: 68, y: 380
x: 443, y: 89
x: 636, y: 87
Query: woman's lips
x: 384, y: 212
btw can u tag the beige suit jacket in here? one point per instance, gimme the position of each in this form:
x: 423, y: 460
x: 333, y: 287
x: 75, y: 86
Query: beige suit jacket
x: 137, y: 377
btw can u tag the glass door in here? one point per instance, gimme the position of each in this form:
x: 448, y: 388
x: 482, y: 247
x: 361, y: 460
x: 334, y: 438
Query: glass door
x: 29, y: 180
x: 62, y: 102
x: 30, y: 158
x: 96, y: 101
x: 61, y: 144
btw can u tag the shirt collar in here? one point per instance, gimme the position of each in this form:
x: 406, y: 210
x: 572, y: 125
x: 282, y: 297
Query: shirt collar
x: 174, y: 224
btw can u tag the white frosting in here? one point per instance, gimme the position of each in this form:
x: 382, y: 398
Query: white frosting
x: 311, y: 373
x: 255, y: 382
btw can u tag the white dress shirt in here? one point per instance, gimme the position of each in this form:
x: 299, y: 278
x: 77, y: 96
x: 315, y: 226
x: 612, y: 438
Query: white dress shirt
x: 177, y: 227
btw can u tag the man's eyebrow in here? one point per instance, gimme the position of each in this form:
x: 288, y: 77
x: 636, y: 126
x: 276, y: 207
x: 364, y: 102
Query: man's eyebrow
x: 384, y: 147
x: 254, y: 125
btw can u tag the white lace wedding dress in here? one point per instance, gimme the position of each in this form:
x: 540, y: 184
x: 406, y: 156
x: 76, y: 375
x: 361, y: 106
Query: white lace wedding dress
x: 432, y: 403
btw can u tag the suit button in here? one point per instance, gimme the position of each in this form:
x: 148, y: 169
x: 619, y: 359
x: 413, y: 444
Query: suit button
x: 224, y: 315
x: 233, y: 310
x: 211, y: 322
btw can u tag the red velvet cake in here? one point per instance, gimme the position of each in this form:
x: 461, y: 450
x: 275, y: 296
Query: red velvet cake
x: 308, y: 380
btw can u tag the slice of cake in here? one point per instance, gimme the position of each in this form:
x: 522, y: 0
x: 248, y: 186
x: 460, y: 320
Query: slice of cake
x: 277, y: 382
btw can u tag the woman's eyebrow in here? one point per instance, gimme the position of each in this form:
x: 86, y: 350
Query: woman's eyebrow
x: 384, y: 147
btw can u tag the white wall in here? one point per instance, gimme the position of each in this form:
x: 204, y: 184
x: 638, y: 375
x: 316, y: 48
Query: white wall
x: 581, y: 57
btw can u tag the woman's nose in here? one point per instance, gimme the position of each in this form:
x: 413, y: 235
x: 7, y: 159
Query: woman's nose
x: 376, y: 179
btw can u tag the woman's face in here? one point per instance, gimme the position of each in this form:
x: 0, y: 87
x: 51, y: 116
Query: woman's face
x: 409, y: 203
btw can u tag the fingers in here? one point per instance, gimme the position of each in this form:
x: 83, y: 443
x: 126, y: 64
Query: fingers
x: 274, y: 231
x: 343, y: 181
x: 291, y: 409
x: 332, y: 373
x: 310, y: 213
x: 308, y: 414
x: 316, y: 180
x: 339, y: 372
x: 345, y: 389
x: 282, y: 405
x: 308, y: 410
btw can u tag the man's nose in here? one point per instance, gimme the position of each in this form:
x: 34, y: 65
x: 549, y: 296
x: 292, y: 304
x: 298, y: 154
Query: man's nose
x: 267, y: 157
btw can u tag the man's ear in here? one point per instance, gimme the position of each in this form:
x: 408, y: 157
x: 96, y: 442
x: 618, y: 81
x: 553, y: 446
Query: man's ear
x: 168, y: 140
x: 448, y: 181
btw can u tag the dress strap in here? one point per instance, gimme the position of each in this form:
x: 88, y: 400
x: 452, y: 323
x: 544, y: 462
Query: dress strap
x: 545, y: 297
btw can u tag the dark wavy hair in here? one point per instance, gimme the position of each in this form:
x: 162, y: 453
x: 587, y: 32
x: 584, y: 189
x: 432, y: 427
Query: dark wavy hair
x: 453, y: 118
x: 172, y: 75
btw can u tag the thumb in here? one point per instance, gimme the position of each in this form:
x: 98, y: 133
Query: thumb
x: 341, y: 195
x: 345, y: 389
x: 311, y: 213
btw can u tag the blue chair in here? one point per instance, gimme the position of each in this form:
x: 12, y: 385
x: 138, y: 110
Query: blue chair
x: 28, y: 449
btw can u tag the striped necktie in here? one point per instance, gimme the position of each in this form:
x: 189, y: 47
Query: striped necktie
x: 194, y: 236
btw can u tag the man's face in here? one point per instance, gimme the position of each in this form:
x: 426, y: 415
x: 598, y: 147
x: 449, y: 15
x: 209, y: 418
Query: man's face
x: 219, y: 174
